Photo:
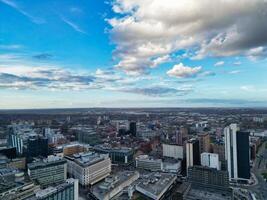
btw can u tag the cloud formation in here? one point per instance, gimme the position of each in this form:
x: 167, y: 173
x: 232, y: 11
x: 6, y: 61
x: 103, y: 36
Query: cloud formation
x: 159, y: 91
x: 220, y: 63
x: 15, y: 6
x: 73, y: 25
x: 182, y: 71
x: 144, y: 31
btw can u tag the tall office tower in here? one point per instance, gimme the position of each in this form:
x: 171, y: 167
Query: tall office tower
x: 181, y: 135
x: 133, y: 128
x: 192, y: 153
x: 37, y: 146
x: 210, y: 160
x: 68, y: 190
x: 179, y: 138
x: 204, y: 142
x: 52, y: 170
x: 237, y: 153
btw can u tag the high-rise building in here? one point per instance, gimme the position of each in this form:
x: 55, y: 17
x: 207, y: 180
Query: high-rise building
x: 68, y: 190
x: 132, y: 128
x: 89, y: 168
x: 52, y: 170
x: 37, y: 146
x: 204, y: 142
x: 192, y: 153
x: 181, y: 135
x: 237, y: 153
x: 210, y: 160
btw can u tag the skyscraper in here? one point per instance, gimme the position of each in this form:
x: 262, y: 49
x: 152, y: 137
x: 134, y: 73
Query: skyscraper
x: 237, y: 153
x: 204, y: 142
x: 192, y: 153
x: 132, y: 127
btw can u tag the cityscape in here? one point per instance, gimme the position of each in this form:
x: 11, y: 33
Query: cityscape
x: 133, y: 100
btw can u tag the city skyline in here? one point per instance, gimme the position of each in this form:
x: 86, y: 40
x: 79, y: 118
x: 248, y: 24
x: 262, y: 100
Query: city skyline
x: 124, y: 53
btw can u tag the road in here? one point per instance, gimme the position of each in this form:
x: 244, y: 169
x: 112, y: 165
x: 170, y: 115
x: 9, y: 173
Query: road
x: 259, y: 167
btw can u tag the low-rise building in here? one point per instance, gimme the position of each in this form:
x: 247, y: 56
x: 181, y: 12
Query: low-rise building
x: 121, y: 155
x: 68, y: 190
x: 148, y: 163
x: 156, y: 185
x: 113, y: 185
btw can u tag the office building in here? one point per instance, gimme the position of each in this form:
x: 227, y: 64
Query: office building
x: 74, y: 148
x: 19, y: 192
x: 50, y: 171
x: 210, y: 160
x: 9, y: 152
x: 173, y: 151
x: 218, y: 148
x: 237, y: 153
x: 204, y: 142
x: 192, y: 153
x: 37, y: 146
x: 148, y: 163
x: 132, y: 128
x: 113, y: 185
x: 118, y: 155
x: 89, y: 168
x: 208, y: 177
x: 181, y: 136
x: 69, y: 190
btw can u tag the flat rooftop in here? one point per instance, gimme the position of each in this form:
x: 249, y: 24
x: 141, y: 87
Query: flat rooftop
x: 113, y: 182
x: 46, y: 162
x: 88, y: 158
x: 155, y: 184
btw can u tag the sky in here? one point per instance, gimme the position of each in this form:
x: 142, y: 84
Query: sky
x: 133, y: 53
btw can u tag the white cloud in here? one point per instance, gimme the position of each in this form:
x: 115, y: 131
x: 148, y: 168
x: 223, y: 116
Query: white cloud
x: 234, y: 72
x: 146, y: 30
x: 15, y: 6
x: 73, y: 25
x: 182, y: 71
x: 248, y: 88
x: 220, y: 63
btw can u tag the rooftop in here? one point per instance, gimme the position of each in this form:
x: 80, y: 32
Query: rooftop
x: 114, y: 182
x: 88, y: 158
x: 156, y: 184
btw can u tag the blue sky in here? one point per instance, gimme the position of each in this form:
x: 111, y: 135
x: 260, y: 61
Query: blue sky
x: 132, y: 53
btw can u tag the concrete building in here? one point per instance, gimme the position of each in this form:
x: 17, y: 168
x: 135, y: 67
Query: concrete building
x: 210, y: 160
x: 181, y: 136
x: 74, y: 148
x: 208, y: 177
x: 192, y: 153
x: 173, y: 151
x: 204, y: 142
x: 121, y: 155
x: 148, y: 163
x: 237, y: 153
x: 68, y: 190
x: 156, y: 185
x: 50, y: 171
x: 19, y: 192
x: 89, y: 168
x: 113, y: 185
